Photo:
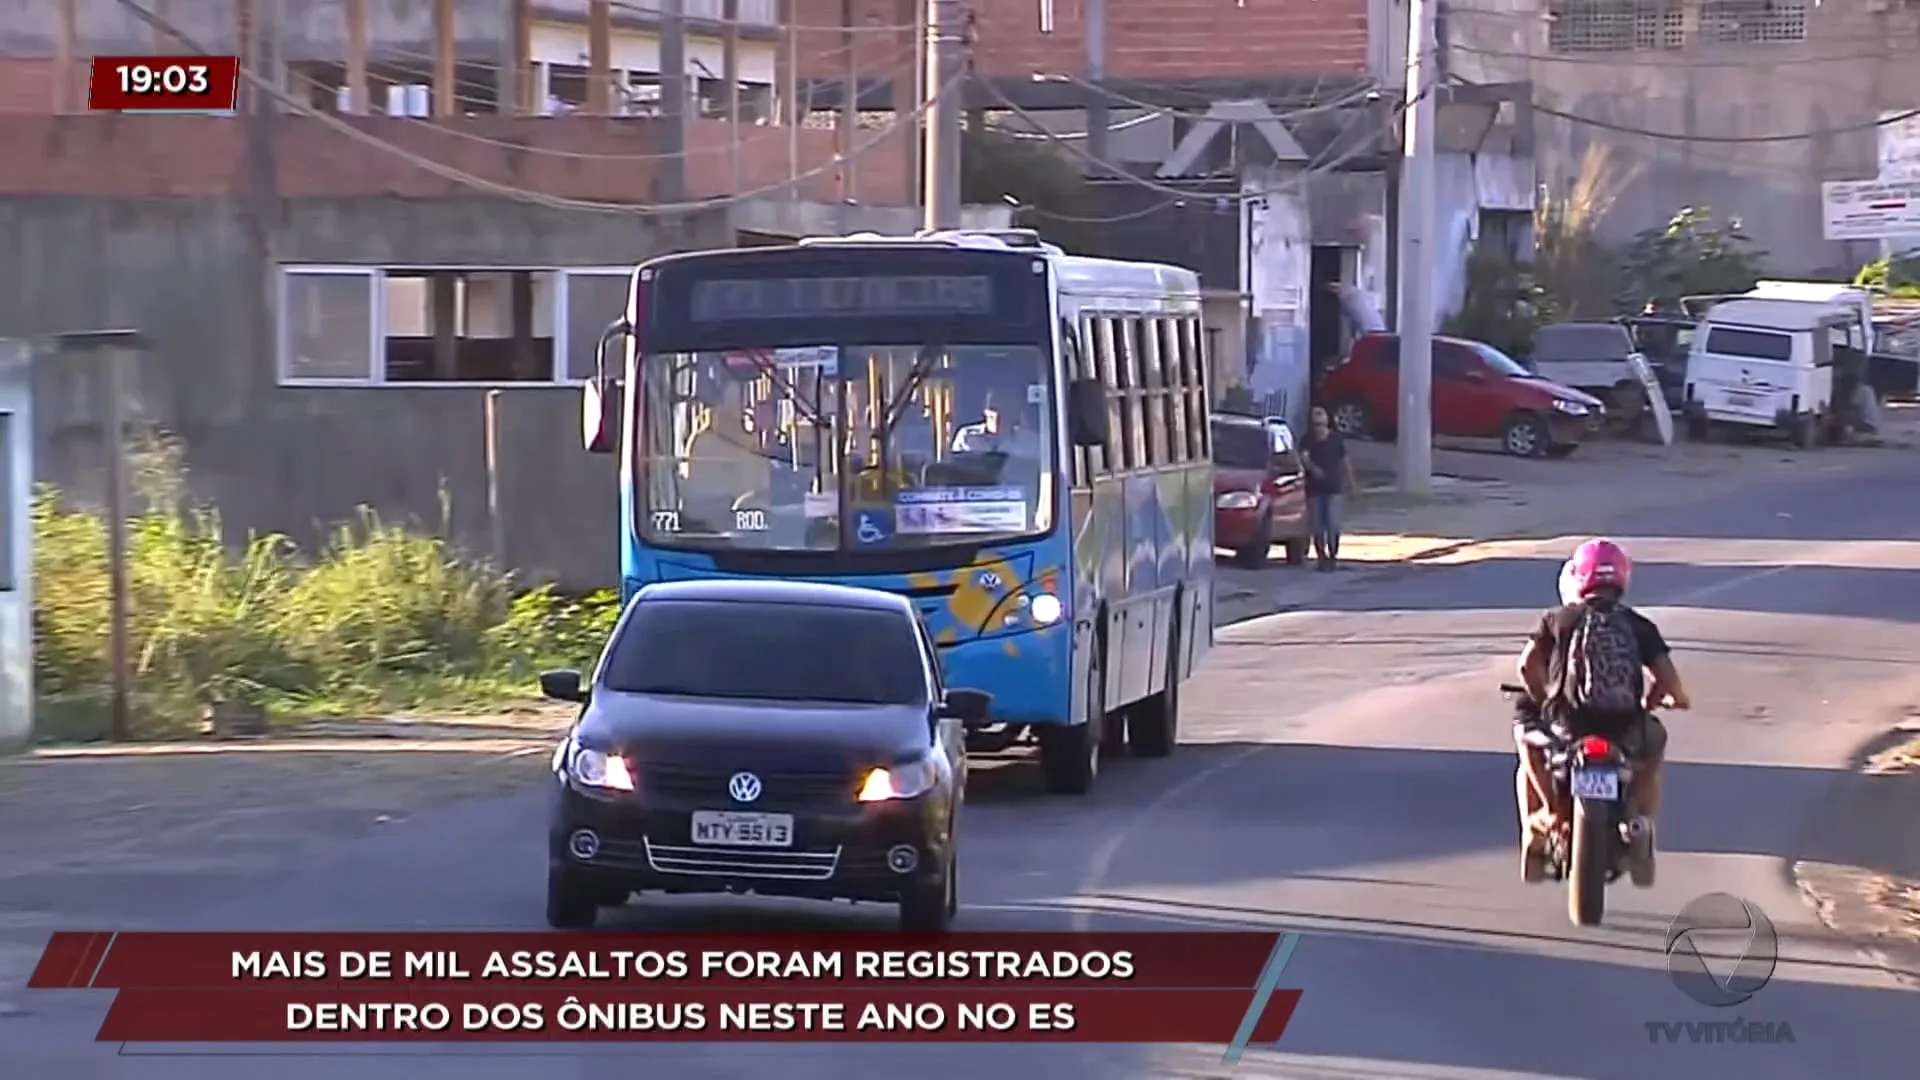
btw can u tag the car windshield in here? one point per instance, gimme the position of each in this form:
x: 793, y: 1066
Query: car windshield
x: 1241, y: 446
x: 1500, y: 362
x: 832, y: 446
x: 770, y: 652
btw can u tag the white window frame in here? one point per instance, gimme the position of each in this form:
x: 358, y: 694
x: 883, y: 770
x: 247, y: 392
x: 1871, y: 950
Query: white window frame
x: 376, y: 278
x: 563, y: 302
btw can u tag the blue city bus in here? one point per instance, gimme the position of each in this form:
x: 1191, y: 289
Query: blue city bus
x: 1015, y: 438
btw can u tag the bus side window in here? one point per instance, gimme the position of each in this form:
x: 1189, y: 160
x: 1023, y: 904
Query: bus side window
x: 1076, y: 370
x: 1153, y: 414
x: 1173, y: 399
x: 1099, y: 458
x: 1107, y: 345
x: 1193, y: 363
x: 1126, y: 340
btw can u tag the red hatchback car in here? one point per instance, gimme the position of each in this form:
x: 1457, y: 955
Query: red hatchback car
x: 1259, y: 490
x: 1478, y: 392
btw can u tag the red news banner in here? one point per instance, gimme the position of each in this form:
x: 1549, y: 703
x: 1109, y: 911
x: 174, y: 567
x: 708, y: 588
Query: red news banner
x: 164, y: 83
x: 442, y: 987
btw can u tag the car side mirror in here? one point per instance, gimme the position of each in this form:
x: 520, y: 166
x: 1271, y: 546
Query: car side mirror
x: 1087, y: 412
x: 600, y: 398
x: 970, y: 706
x: 563, y: 685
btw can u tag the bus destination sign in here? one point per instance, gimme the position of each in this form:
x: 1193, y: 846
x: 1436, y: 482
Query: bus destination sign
x: 813, y: 297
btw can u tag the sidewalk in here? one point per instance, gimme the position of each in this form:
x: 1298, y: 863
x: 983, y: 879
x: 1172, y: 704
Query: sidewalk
x: 1480, y: 497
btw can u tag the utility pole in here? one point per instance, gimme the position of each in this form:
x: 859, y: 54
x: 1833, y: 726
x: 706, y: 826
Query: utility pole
x: 940, y: 192
x: 673, y: 101
x: 1416, y: 262
x: 1098, y: 112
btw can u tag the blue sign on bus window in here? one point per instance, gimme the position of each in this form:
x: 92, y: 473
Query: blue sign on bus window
x: 872, y: 527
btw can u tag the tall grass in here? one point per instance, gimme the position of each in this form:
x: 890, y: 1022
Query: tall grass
x: 1574, y: 270
x: 382, y: 617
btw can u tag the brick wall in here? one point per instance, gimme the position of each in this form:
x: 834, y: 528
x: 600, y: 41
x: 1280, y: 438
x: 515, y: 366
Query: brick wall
x: 116, y: 155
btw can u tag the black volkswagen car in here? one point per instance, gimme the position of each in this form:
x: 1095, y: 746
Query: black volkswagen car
x: 770, y: 737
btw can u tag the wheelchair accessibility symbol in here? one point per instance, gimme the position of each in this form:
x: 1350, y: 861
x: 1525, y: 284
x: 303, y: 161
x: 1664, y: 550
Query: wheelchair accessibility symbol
x: 872, y: 527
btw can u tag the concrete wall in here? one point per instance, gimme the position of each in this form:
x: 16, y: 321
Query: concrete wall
x: 187, y: 271
x: 1853, y: 65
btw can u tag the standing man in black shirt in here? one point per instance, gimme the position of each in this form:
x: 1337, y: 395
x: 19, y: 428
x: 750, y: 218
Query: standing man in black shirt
x: 1329, y: 476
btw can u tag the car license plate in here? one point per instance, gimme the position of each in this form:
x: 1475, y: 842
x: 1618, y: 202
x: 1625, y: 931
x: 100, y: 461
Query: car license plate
x: 1742, y: 401
x: 727, y: 828
x: 1596, y: 784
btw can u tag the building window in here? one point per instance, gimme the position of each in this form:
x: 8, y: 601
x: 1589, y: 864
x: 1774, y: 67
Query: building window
x: 343, y: 325
x: 1578, y: 26
x: 1753, y: 22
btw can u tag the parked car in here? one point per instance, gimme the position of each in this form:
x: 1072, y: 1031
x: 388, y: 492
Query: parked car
x: 1478, y: 392
x: 1596, y: 358
x: 1259, y: 489
x: 773, y: 737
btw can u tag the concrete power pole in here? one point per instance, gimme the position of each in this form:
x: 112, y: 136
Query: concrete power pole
x: 1415, y: 421
x: 673, y: 101
x: 940, y: 193
x: 1098, y: 111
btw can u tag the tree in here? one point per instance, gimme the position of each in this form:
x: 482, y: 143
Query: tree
x: 1692, y: 255
x: 997, y: 167
x: 1898, y: 276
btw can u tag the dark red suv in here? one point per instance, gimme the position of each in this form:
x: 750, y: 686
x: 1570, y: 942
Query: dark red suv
x: 1478, y: 392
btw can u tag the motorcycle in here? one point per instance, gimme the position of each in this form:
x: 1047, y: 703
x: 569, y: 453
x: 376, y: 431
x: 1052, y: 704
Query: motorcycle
x: 1597, y: 840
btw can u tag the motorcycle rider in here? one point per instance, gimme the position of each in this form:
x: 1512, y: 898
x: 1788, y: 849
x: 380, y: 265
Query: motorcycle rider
x: 1594, y: 583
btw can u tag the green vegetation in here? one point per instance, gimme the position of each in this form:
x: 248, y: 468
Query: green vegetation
x: 1897, y: 276
x: 383, y: 618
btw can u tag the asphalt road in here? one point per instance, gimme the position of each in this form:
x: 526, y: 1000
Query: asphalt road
x: 1346, y: 772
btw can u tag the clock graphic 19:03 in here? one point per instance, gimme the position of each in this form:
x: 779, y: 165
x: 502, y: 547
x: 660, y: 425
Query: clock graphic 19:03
x: 165, y: 83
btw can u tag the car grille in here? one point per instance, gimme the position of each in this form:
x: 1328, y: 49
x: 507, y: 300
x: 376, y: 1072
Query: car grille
x: 814, y: 865
x: 782, y: 788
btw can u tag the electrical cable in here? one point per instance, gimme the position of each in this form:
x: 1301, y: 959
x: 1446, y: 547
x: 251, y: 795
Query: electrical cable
x: 480, y: 183
x: 1670, y: 136
x: 1108, y: 168
x: 765, y: 133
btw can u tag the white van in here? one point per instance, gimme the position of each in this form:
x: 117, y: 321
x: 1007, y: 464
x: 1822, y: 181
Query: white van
x: 1767, y: 364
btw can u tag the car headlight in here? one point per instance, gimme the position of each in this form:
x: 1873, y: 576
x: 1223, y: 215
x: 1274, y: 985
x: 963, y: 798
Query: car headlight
x: 599, y: 769
x: 1571, y: 408
x: 1237, y: 500
x: 904, y: 781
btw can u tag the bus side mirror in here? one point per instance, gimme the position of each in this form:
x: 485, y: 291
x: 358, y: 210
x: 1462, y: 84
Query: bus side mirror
x: 600, y: 398
x: 600, y: 414
x: 1087, y: 412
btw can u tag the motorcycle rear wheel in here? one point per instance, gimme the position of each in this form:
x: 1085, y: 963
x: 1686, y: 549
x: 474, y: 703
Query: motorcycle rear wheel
x: 1588, y: 863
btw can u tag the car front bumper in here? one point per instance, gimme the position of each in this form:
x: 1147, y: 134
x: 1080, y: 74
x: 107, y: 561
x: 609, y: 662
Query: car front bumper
x: 838, y: 853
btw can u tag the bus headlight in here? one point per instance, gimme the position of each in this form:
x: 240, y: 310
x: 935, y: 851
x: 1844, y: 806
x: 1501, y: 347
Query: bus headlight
x: 1045, y: 609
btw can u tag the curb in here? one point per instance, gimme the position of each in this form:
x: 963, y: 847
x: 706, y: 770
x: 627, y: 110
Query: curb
x: 1837, y: 892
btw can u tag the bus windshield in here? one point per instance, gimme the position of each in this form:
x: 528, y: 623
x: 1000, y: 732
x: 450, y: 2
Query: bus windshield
x: 845, y: 446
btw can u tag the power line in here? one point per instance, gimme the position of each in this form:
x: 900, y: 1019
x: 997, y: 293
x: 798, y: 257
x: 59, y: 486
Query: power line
x: 1115, y: 172
x: 1671, y: 136
x: 459, y: 176
x: 1660, y: 59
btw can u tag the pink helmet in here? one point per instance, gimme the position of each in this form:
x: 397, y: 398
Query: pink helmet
x: 1598, y: 564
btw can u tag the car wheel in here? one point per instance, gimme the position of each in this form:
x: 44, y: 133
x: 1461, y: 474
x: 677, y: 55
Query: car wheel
x: 1254, y: 555
x: 1297, y: 551
x: 1562, y: 450
x: 1699, y: 429
x: 571, y: 903
x: 1352, y: 419
x: 1525, y: 435
x: 928, y: 905
x: 1070, y: 753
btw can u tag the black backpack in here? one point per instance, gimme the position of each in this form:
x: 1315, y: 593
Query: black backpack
x: 1596, y: 669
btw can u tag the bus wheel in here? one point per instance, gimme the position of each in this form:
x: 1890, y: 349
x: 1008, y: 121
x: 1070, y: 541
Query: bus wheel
x: 1153, y: 725
x: 1070, y: 753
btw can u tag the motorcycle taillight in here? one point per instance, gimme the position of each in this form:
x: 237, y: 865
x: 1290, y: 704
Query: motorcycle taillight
x: 1593, y: 746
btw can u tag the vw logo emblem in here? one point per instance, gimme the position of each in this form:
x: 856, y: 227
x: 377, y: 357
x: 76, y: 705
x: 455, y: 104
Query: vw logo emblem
x: 744, y: 787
